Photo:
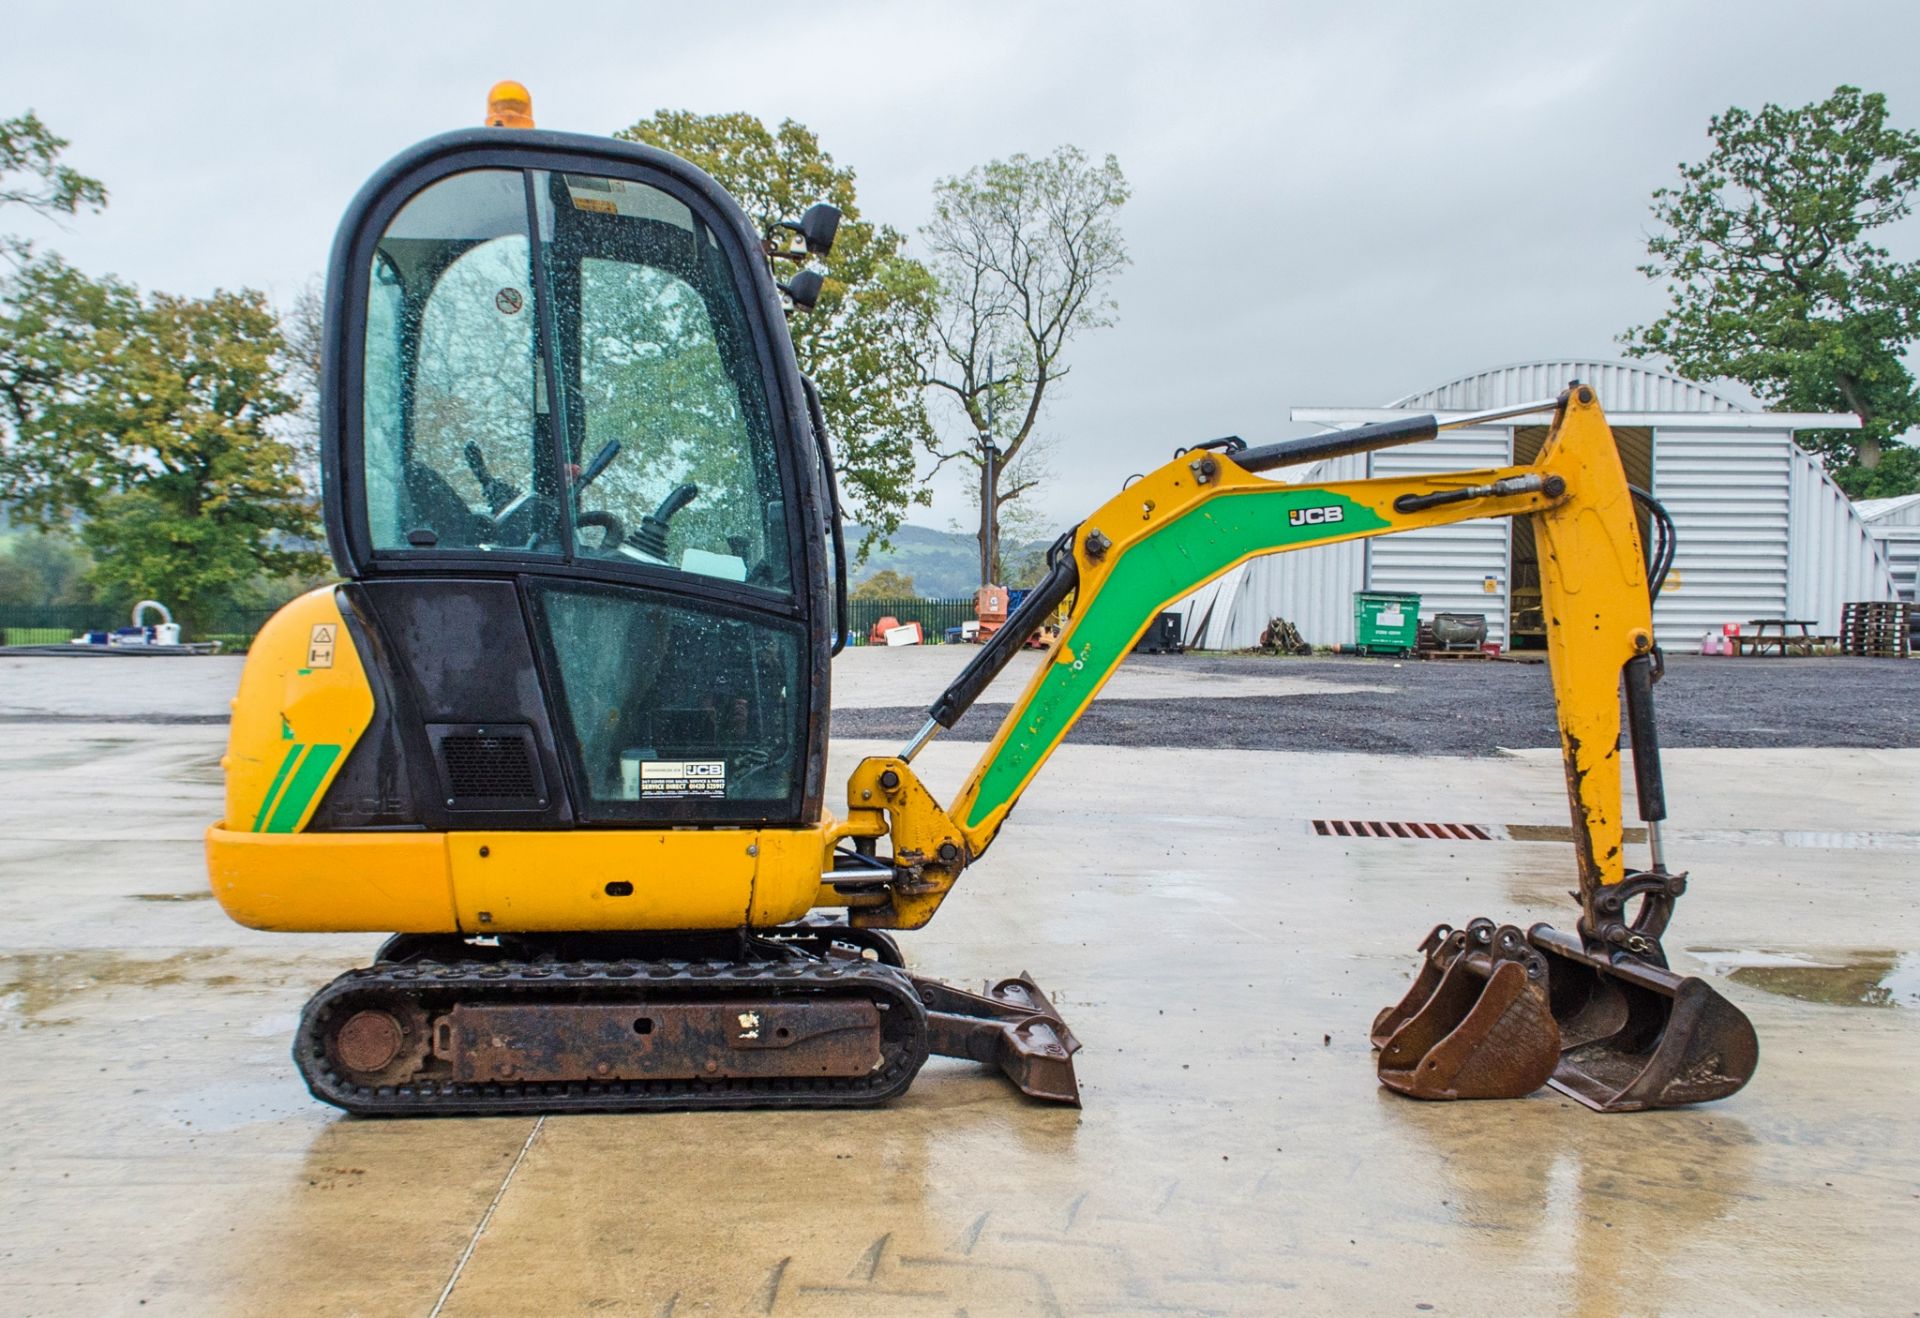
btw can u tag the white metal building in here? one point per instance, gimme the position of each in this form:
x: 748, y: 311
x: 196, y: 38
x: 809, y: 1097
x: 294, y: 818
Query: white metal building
x: 1763, y: 531
x: 1895, y: 523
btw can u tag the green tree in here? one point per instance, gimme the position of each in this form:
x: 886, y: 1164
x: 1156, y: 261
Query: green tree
x: 1776, y: 280
x: 886, y: 584
x: 1025, y: 251
x: 151, y: 418
x: 32, y: 176
x: 859, y: 343
x: 43, y: 567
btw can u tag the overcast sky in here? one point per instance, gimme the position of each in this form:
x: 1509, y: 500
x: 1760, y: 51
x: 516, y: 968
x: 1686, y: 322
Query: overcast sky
x: 1333, y: 203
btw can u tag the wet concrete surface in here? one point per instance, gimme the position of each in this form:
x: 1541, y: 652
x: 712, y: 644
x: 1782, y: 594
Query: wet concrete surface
x: 1220, y: 962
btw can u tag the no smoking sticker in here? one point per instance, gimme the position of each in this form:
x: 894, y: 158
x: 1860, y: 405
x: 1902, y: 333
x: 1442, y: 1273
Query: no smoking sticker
x: 320, y: 646
x: 509, y: 301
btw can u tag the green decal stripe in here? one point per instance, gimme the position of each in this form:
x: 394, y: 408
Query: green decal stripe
x: 299, y: 794
x: 273, y: 792
x: 1174, y: 561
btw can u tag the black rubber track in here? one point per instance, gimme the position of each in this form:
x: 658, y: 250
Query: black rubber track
x: 434, y: 987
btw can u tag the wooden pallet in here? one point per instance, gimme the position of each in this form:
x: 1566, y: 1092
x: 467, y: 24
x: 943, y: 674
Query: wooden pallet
x: 1877, y: 629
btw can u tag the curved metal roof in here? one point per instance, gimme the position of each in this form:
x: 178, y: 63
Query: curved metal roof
x: 1622, y: 386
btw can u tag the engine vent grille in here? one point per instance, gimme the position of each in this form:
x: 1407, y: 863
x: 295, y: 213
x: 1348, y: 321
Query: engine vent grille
x: 1401, y: 829
x: 488, y: 766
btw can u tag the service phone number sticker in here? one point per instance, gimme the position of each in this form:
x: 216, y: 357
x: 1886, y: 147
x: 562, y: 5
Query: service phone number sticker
x: 683, y: 778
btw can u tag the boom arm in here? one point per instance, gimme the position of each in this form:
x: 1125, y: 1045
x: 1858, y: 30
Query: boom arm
x: 1206, y: 511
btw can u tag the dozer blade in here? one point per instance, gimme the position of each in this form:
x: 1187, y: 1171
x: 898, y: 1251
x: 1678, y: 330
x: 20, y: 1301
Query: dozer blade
x: 1636, y: 1035
x: 1484, y: 1030
x: 1013, y: 1026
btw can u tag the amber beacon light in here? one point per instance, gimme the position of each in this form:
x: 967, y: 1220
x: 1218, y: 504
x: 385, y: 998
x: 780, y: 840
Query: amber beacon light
x: 509, y: 105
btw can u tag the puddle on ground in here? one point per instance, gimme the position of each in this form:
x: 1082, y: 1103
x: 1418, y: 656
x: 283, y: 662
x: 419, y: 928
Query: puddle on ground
x: 33, y: 986
x: 1879, y: 840
x: 1739, y: 837
x: 201, y: 896
x: 1858, y: 979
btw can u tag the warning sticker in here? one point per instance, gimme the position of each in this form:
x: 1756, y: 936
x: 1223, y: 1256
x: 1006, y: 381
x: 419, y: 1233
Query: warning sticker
x: 683, y: 778
x: 320, y: 645
x: 509, y: 301
x: 612, y: 196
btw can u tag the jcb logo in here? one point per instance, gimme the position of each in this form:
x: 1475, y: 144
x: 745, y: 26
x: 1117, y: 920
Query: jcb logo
x: 1315, y: 516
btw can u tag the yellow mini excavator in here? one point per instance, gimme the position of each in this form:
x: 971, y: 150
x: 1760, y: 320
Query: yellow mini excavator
x: 561, y: 730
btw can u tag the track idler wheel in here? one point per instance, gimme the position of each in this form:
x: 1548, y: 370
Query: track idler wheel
x: 1477, y: 1022
x: 1636, y: 1035
x: 381, y: 1045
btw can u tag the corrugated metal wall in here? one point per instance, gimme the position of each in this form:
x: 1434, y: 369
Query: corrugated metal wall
x: 1902, y: 546
x: 1203, y: 614
x: 1729, y: 497
x: 1310, y: 588
x: 1831, y: 557
x: 1903, y: 510
x: 1446, y: 565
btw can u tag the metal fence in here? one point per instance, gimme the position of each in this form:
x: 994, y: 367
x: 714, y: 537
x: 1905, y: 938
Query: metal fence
x: 934, y: 616
x: 52, y: 624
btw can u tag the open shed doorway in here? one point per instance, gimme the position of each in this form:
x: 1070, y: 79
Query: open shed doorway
x: 1526, y: 623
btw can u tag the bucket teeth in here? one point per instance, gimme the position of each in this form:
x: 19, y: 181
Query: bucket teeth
x: 1484, y: 1029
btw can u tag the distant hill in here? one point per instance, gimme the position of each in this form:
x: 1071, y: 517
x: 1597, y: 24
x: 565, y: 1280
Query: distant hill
x: 943, y: 564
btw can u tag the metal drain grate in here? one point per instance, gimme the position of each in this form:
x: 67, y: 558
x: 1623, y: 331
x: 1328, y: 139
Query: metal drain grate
x: 1401, y: 828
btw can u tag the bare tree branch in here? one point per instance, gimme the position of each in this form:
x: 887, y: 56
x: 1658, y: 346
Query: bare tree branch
x: 1025, y: 251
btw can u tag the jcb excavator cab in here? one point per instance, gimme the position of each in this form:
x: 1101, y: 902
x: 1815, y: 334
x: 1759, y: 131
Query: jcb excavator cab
x: 571, y: 474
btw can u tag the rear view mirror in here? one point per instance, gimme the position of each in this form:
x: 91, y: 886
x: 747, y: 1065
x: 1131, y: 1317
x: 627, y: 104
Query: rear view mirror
x: 804, y: 288
x: 819, y: 226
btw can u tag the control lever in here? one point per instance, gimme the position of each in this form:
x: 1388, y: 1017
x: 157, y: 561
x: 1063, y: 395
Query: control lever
x: 598, y: 463
x: 500, y: 496
x: 651, y: 538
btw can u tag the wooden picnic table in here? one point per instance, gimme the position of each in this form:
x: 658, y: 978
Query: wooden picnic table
x: 1774, y: 634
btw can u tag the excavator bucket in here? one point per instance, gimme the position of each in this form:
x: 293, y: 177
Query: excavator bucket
x: 1635, y: 1035
x: 1437, y: 951
x: 1477, y: 1022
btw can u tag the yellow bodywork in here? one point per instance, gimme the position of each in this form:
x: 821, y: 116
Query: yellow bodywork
x: 304, y: 701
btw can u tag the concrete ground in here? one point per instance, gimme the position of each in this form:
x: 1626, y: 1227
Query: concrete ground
x: 1219, y: 960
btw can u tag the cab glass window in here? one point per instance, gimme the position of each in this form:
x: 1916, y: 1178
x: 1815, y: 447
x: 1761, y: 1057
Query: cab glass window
x: 676, y: 711
x: 671, y: 452
x: 457, y: 444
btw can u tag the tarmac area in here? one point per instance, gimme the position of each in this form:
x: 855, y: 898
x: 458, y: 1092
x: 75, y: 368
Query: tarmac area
x: 1438, y: 707
x: 1218, y: 959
